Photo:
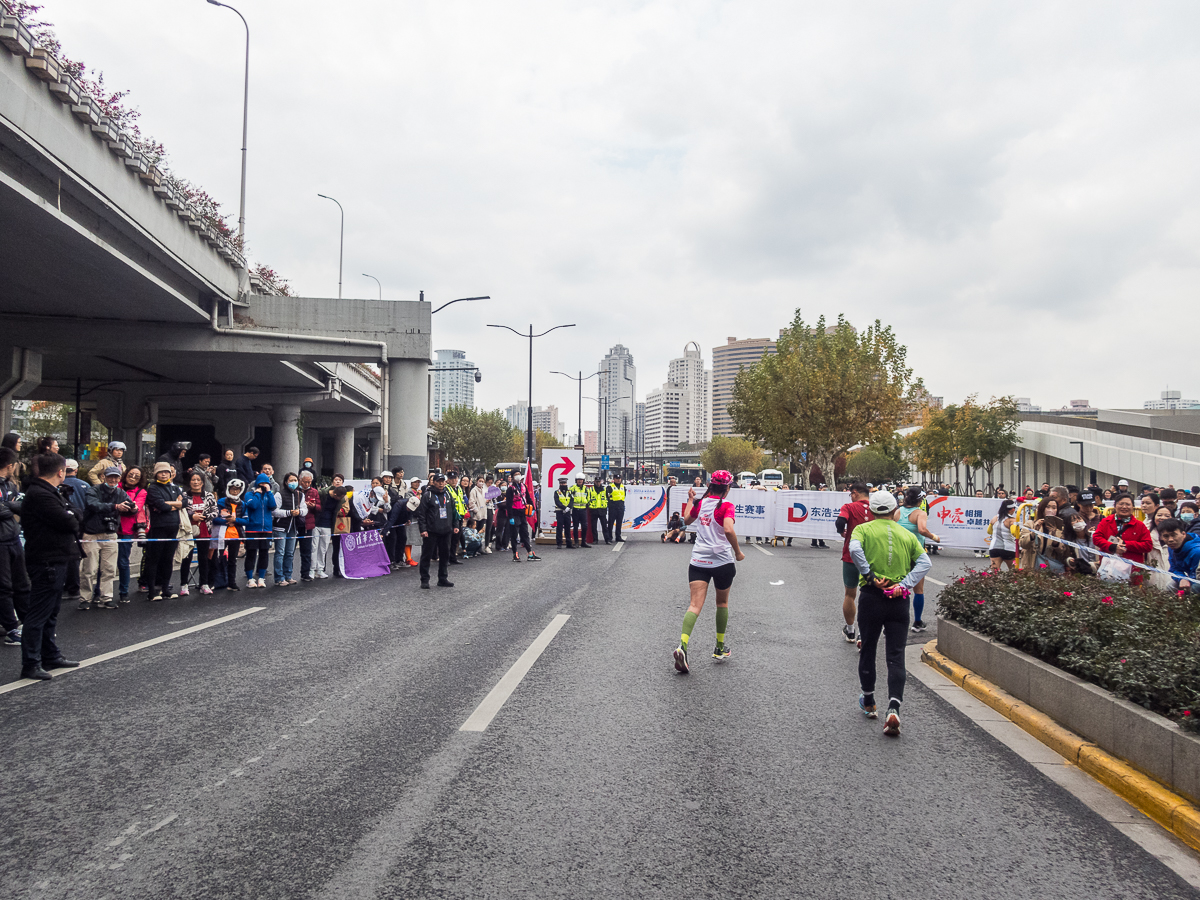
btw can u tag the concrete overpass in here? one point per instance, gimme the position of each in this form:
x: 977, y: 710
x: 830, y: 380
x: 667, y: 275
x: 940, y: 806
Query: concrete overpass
x: 113, y: 289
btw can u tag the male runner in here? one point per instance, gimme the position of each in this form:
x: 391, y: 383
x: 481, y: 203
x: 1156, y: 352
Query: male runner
x: 852, y: 514
x: 889, y: 561
x: 712, y: 560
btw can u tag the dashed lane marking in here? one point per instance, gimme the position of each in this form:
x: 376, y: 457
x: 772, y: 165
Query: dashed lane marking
x: 486, y: 711
x: 617, y: 549
x: 763, y: 549
x: 935, y: 581
x: 133, y: 648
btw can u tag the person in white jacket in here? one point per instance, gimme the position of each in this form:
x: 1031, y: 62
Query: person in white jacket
x: 287, y: 519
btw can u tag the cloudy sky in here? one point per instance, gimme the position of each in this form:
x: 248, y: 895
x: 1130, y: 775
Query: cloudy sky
x: 1012, y: 186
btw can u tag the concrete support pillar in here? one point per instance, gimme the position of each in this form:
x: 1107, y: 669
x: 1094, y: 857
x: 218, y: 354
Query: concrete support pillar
x: 408, y: 416
x: 374, y: 460
x: 235, y: 430
x: 343, y: 452
x: 285, y: 417
x: 310, y: 446
x: 20, y: 373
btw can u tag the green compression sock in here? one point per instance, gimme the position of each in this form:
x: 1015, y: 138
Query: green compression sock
x: 722, y: 624
x: 689, y: 622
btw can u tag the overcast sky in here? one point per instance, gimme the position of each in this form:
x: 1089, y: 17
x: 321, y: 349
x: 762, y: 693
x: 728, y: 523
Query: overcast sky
x: 1012, y: 186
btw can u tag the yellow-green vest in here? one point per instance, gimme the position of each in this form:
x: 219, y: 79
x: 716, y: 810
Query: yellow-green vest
x: 579, y: 497
x: 616, y: 493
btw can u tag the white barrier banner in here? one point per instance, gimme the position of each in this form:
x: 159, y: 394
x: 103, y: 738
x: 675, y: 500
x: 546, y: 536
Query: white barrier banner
x: 646, y: 508
x: 754, y: 511
x: 961, y: 522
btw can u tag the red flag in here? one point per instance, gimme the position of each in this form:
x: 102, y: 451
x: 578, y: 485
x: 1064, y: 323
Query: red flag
x: 530, y: 497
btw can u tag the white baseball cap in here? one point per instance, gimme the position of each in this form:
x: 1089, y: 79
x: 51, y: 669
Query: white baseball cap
x: 1122, y: 483
x: 882, y: 503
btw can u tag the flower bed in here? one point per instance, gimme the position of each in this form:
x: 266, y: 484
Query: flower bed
x: 1141, y: 644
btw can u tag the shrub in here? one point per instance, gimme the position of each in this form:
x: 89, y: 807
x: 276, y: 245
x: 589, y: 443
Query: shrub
x: 1140, y: 643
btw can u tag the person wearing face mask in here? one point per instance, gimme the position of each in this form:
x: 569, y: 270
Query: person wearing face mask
x: 1189, y: 515
x: 1123, y: 535
x: 1159, y: 557
x: 288, y: 516
x: 1078, y: 559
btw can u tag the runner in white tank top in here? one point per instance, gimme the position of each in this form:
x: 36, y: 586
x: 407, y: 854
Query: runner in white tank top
x: 713, y: 557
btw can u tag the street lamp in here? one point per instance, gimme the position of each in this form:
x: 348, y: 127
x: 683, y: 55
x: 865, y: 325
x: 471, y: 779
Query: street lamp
x: 376, y: 280
x: 625, y: 419
x: 341, y: 238
x: 529, y: 413
x: 1081, y: 478
x: 602, y: 412
x: 464, y: 300
x: 581, y: 379
x: 245, y: 127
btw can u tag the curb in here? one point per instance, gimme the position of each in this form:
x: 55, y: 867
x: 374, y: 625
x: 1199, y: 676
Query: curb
x: 1165, y: 807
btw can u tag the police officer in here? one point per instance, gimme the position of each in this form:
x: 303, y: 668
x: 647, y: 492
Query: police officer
x: 598, y: 509
x: 460, y: 506
x: 580, y: 496
x: 562, y: 514
x: 437, y: 517
x: 616, y: 508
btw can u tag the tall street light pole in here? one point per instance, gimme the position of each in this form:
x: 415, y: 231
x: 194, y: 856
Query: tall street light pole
x: 625, y: 419
x: 341, y: 238
x: 581, y: 379
x: 529, y: 445
x: 376, y: 280
x: 245, y: 127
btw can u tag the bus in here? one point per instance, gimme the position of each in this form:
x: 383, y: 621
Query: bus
x: 504, y: 469
x: 744, y: 479
x: 772, y: 479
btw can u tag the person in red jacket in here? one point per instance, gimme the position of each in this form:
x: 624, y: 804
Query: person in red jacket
x: 308, y: 530
x: 1124, y: 536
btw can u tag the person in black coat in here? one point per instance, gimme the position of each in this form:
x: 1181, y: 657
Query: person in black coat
x: 51, y: 542
x: 437, y: 517
x: 14, y: 579
x: 164, y: 499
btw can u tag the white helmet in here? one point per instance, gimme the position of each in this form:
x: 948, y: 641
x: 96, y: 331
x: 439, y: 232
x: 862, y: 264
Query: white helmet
x: 235, y: 488
x: 115, y: 445
x: 882, y: 503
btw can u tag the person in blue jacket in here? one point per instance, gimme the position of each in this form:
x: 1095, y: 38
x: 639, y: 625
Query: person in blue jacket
x: 260, y: 504
x: 1185, y: 553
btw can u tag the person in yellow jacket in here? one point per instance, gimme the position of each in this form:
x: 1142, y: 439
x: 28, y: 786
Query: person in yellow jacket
x: 616, y: 508
x: 598, y: 510
x: 454, y: 489
x: 562, y: 514
x: 580, y: 497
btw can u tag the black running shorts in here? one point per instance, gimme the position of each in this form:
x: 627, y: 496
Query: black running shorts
x: 721, y: 576
x: 1004, y: 555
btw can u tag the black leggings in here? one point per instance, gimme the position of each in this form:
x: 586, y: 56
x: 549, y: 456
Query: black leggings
x: 257, y: 548
x: 160, y: 556
x: 519, y: 531
x: 877, y: 613
x: 203, y: 564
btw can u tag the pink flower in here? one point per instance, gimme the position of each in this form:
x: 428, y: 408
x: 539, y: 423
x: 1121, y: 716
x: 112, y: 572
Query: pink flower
x: 1107, y: 600
x: 1180, y: 593
x: 1066, y: 593
x: 1187, y: 712
x: 961, y: 580
x: 1122, y: 660
x: 1041, y: 565
x: 979, y: 602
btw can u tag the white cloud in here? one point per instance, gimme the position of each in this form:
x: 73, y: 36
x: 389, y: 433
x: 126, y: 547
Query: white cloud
x: 986, y: 177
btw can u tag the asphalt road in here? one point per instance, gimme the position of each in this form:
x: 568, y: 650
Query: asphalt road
x: 313, y: 749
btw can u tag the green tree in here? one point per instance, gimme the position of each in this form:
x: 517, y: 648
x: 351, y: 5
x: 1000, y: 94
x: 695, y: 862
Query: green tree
x: 826, y: 390
x: 541, y: 440
x: 991, y: 434
x: 732, y: 453
x: 874, y: 464
x: 473, y: 440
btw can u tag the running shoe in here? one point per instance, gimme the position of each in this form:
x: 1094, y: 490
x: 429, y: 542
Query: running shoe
x: 533, y: 556
x: 183, y: 591
x: 919, y: 625
x: 721, y: 653
x: 681, y: 663
x: 867, y: 709
x: 848, y: 633
x: 13, y: 638
x: 891, y: 725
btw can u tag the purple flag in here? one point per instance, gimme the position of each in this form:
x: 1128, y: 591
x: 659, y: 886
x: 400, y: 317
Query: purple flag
x: 363, y: 555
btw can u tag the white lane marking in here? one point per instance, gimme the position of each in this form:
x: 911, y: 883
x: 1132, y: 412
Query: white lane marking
x: 486, y: 711
x: 764, y: 549
x: 617, y: 549
x: 133, y: 648
x: 776, y: 583
x: 163, y: 824
x: 935, y: 581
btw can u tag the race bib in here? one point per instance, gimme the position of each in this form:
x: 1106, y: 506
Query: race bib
x: 442, y: 513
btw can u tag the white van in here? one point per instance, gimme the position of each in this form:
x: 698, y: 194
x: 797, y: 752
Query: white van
x: 772, y: 479
x: 744, y: 479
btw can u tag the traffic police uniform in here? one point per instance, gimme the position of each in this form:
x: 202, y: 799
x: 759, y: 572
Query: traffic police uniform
x: 562, y: 514
x: 460, y: 506
x: 598, y: 508
x: 616, y: 509
x: 580, y: 496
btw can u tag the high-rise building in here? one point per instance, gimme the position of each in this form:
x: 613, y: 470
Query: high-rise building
x: 453, y: 382
x: 689, y: 373
x: 546, y: 420
x: 667, y: 411
x: 591, y: 442
x: 618, y: 386
x: 728, y: 360
x: 640, y: 417
x: 516, y: 415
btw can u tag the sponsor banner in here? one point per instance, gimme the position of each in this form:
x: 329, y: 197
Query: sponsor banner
x: 363, y: 554
x: 809, y: 514
x: 646, y: 508
x: 959, y: 521
x: 557, y: 462
x: 360, y: 494
x: 754, y: 511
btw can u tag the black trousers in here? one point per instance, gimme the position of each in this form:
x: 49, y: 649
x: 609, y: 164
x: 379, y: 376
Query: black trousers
x: 160, y: 558
x: 41, y: 618
x: 600, y: 526
x: 71, y: 585
x: 616, y: 516
x: 579, y: 526
x: 489, y: 528
x: 224, y: 563
x: 435, y: 545
x: 14, y: 585
x: 258, y: 546
x: 878, y: 613
x: 305, y: 543
x: 562, y: 526
x: 518, y: 533
x: 204, y: 567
